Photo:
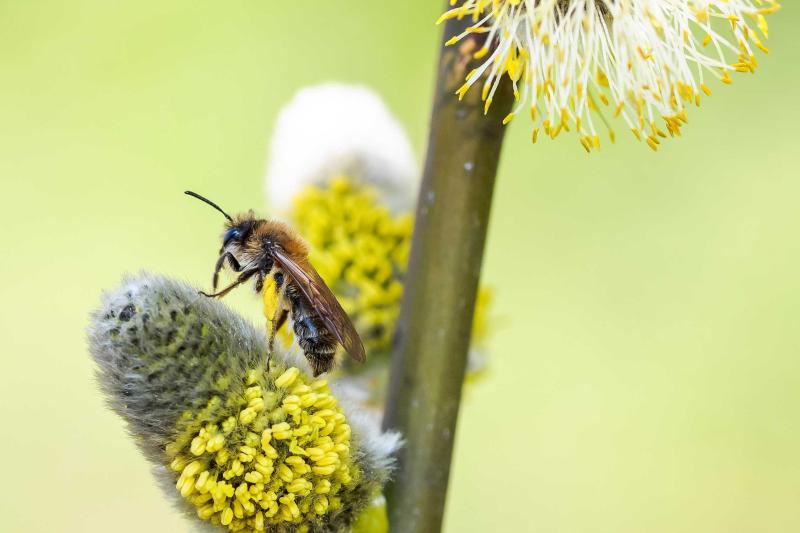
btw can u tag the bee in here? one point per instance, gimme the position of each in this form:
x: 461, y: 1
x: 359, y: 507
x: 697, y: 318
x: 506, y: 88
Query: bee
x: 257, y: 249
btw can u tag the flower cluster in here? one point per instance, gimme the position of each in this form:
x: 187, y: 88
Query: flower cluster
x: 288, y: 462
x: 576, y: 63
x: 245, y: 447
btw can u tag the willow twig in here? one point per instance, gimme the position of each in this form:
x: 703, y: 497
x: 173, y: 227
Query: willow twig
x: 433, y: 333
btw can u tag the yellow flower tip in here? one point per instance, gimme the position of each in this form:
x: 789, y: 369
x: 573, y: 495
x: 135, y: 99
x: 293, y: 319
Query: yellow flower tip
x: 581, y: 68
x: 486, y: 105
x: 306, y: 457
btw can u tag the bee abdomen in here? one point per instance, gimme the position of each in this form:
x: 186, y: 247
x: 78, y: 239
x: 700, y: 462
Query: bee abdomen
x: 320, y: 355
x: 317, y: 342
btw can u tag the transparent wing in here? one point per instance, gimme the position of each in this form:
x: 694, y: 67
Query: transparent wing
x: 323, y: 301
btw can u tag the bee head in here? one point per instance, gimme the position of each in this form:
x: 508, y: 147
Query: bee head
x: 237, y: 229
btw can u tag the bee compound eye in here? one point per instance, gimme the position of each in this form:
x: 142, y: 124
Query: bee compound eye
x: 231, y: 234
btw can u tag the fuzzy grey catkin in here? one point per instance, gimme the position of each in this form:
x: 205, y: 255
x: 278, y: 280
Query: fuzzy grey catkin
x: 249, y: 448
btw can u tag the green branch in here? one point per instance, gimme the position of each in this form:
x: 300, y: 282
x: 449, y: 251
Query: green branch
x: 433, y: 333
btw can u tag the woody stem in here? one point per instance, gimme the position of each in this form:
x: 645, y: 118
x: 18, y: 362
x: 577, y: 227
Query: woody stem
x: 433, y: 333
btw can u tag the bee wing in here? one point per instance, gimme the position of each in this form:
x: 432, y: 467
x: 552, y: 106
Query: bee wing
x: 323, y: 301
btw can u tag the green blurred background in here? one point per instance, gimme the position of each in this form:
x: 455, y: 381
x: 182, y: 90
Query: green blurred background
x: 644, y: 372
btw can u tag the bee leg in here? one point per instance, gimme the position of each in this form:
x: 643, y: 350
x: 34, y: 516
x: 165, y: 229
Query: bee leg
x: 221, y: 263
x: 282, y: 319
x: 241, y: 279
x: 277, y: 321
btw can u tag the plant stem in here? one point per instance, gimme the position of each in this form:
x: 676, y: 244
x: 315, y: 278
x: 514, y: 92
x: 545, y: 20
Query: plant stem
x: 433, y: 333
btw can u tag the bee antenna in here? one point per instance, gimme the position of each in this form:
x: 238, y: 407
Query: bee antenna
x: 209, y: 202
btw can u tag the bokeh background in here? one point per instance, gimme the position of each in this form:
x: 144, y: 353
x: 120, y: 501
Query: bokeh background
x: 645, y: 371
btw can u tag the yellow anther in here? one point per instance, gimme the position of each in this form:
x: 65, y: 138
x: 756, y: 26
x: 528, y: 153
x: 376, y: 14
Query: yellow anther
x: 254, y: 477
x: 200, y: 499
x: 328, y: 429
x: 229, y: 425
x: 202, y: 479
x: 247, y: 416
x: 226, y: 517
x: 323, y: 486
x: 215, y: 443
x: 264, y: 470
x: 302, y: 431
x: 252, y: 392
x: 192, y: 469
x: 327, y: 459
x: 285, y: 473
x: 185, y: 485
x: 247, y: 450
x: 299, y: 390
x: 249, y: 507
x: 294, y: 460
x: 289, y: 503
x: 324, y: 470
x: 222, y: 457
x: 307, y: 400
x: 205, y: 512
x: 321, y: 505
x: 344, y: 477
x: 298, y: 485
x: 319, y: 385
x: 281, y: 431
x: 287, y: 378
x: 257, y: 404
x: 325, y: 444
x: 291, y: 400
x: 343, y: 433
x: 487, y: 104
x: 341, y: 448
x: 314, y: 452
x: 271, y: 509
x: 178, y: 464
